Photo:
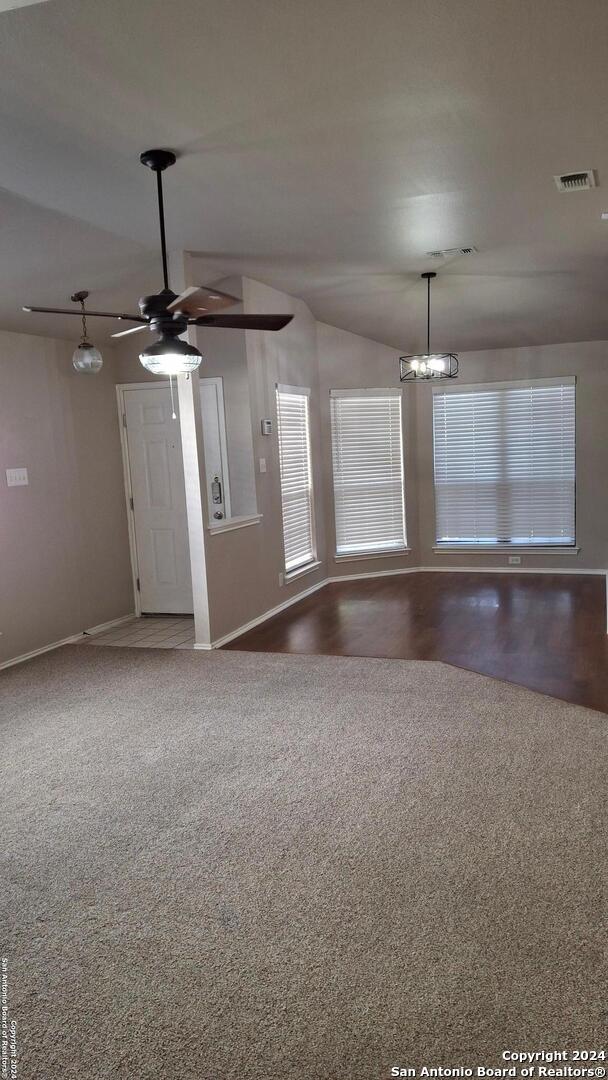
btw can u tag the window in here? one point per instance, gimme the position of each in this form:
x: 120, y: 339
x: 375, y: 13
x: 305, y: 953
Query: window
x: 293, y: 417
x: 367, y: 453
x: 505, y: 463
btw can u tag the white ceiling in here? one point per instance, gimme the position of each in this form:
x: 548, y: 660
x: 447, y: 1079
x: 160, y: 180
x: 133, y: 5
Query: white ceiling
x: 324, y: 147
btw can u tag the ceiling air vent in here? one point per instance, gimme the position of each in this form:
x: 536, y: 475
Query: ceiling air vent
x: 576, y: 181
x: 447, y: 253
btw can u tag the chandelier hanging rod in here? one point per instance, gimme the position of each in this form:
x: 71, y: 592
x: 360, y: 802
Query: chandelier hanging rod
x: 428, y: 365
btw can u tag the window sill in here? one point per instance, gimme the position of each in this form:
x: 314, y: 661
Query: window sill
x: 373, y: 555
x: 235, y: 523
x: 301, y: 572
x: 513, y: 549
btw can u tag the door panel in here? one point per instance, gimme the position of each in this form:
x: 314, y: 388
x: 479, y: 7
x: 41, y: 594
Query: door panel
x: 165, y: 558
x: 158, y: 471
x: 159, y: 501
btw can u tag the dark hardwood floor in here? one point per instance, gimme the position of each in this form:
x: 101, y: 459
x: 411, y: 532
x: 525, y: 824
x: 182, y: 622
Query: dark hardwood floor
x: 543, y: 631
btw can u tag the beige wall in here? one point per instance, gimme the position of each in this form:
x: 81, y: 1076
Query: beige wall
x: 225, y: 357
x: 588, y: 361
x: 244, y: 565
x: 64, y: 555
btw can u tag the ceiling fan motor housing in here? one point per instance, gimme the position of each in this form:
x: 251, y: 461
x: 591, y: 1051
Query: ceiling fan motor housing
x: 154, y: 307
x: 158, y: 160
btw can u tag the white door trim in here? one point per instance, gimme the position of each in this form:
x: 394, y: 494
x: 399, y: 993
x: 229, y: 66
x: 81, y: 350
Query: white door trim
x: 122, y: 389
x: 218, y: 382
x: 162, y: 384
x: 126, y: 472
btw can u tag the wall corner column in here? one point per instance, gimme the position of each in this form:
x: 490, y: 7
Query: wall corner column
x: 194, y: 467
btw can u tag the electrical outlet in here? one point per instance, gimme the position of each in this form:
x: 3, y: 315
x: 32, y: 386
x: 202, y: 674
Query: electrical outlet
x: 262, y: 464
x: 514, y: 560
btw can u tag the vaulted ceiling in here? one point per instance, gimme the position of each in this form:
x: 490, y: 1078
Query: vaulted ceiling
x: 324, y: 146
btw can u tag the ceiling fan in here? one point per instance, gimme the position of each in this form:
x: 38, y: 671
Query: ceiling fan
x: 167, y: 314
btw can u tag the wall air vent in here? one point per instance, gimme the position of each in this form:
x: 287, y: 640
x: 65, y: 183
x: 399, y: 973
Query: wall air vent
x: 448, y: 253
x: 576, y: 181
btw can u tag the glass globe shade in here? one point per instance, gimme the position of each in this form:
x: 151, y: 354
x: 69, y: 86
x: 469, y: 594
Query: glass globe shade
x: 170, y: 356
x: 87, y: 359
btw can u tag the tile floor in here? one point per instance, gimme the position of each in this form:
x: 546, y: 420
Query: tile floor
x: 154, y: 632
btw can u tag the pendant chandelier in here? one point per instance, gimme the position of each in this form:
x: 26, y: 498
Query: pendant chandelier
x: 428, y: 365
x: 86, y: 358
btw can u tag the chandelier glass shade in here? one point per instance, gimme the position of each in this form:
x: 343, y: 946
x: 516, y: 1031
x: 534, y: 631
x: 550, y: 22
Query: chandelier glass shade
x: 428, y: 365
x: 86, y: 359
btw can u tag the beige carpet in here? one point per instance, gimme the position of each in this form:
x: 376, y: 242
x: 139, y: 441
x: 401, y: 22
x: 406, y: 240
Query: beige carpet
x: 281, y: 867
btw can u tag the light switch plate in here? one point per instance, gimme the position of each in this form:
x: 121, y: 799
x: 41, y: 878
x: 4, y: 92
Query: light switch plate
x: 262, y: 464
x: 17, y: 477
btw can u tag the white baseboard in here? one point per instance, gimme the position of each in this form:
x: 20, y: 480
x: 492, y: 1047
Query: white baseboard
x: 262, y: 618
x: 38, y: 652
x: 372, y: 574
x: 109, y: 625
x: 72, y: 640
x: 504, y: 570
x: 392, y: 573
x: 308, y: 592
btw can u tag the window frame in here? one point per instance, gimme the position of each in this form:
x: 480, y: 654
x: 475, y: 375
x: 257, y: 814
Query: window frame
x: 515, y: 547
x: 370, y: 392
x: 313, y: 562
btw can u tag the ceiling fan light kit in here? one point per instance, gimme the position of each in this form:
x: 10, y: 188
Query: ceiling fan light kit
x: 170, y: 356
x: 428, y: 365
x: 166, y: 313
x: 87, y: 360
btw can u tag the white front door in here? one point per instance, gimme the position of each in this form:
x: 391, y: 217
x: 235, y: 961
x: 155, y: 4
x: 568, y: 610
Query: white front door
x: 159, y: 501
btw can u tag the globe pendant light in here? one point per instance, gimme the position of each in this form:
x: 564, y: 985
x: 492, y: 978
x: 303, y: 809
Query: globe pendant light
x: 87, y: 360
x: 428, y: 365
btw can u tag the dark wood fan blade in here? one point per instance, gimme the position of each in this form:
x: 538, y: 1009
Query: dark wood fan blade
x: 198, y: 300
x: 244, y: 322
x: 75, y: 311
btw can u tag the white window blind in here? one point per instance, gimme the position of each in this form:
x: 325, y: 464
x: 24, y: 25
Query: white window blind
x: 505, y: 463
x: 296, y: 476
x: 367, y: 453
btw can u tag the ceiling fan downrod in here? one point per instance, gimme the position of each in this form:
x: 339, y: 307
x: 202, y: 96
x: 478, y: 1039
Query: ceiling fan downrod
x: 158, y: 161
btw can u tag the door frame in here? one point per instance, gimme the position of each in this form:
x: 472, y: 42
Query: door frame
x: 161, y: 384
x: 218, y: 382
x: 121, y: 388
